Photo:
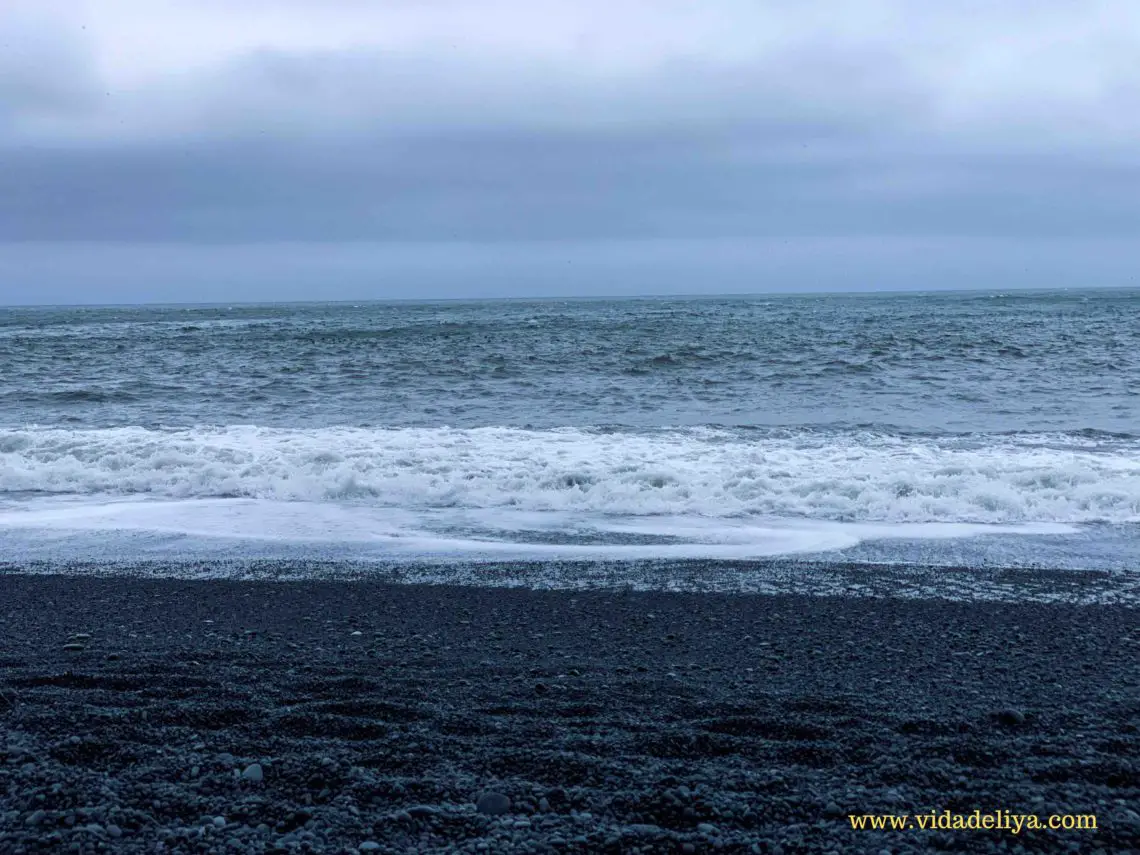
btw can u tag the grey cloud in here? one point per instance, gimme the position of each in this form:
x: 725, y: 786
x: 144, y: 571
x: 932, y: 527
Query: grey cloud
x: 392, y: 93
x: 317, y: 96
x: 43, y: 72
x: 734, y: 182
x: 123, y: 273
x: 968, y: 69
x: 421, y: 147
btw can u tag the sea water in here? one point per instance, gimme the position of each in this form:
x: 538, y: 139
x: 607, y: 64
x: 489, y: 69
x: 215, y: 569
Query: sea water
x: 944, y: 428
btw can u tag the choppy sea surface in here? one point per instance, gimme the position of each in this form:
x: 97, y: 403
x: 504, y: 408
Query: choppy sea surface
x: 976, y: 428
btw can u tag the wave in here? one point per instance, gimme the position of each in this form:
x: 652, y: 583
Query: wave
x: 850, y: 476
x: 68, y: 396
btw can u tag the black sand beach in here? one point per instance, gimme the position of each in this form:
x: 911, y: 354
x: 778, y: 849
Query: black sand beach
x: 144, y: 715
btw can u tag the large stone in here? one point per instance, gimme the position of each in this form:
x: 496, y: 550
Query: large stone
x: 253, y: 772
x: 1010, y: 717
x: 493, y: 804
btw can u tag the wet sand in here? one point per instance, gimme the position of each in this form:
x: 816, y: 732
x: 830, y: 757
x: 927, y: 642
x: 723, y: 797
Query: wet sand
x: 620, y: 721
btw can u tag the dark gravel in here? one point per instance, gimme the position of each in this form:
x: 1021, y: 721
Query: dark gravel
x: 217, y: 716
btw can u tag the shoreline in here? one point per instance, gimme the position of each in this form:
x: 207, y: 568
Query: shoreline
x: 613, y: 719
x: 772, y: 576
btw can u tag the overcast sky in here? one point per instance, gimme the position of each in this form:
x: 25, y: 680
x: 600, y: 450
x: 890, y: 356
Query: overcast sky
x: 203, y: 150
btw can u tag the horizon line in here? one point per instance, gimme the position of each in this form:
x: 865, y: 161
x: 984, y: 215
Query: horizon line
x: 1021, y: 289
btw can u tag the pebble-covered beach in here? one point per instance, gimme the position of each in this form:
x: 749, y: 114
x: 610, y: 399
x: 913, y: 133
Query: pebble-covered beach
x: 144, y: 715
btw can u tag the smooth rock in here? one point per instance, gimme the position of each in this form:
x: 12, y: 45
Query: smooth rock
x: 644, y: 828
x: 493, y: 804
x: 1010, y: 717
x: 253, y: 772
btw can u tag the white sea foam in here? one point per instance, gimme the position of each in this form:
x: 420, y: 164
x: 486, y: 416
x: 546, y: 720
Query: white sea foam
x: 50, y: 527
x: 853, y: 477
x: 683, y: 472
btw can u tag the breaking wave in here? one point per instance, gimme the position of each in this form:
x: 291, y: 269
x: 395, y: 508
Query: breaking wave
x: 848, y: 476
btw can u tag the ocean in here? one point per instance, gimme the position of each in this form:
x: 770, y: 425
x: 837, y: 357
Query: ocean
x: 980, y: 428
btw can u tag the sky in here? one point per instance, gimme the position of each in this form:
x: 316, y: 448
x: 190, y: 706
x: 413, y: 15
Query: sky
x: 214, y: 150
